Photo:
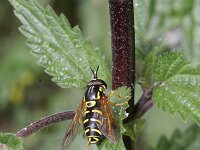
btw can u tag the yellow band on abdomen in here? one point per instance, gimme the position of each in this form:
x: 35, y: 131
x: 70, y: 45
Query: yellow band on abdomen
x: 90, y: 103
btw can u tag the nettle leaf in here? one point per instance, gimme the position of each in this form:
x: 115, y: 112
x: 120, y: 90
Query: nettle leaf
x: 179, y: 91
x: 60, y: 49
x: 134, y: 128
x: 188, y: 140
x: 148, y: 67
x: 10, y: 141
x: 120, y: 96
x: 168, y: 65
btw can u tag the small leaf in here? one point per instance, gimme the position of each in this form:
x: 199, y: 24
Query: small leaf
x: 60, y: 49
x: 179, y: 91
x: 147, y: 67
x: 162, y: 145
x: 120, y: 95
x: 143, y: 47
x: 188, y: 140
x: 9, y: 141
x: 134, y: 128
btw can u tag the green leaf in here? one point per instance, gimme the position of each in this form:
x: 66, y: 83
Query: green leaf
x: 168, y: 65
x: 172, y: 14
x: 60, y: 49
x: 157, y: 18
x: 140, y: 23
x: 10, y: 141
x: 134, y: 128
x: 179, y: 91
x: 190, y: 28
x: 188, y: 140
x: 119, y: 96
x: 147, y: 67
x: 143, y: 45
x: 168, y: 16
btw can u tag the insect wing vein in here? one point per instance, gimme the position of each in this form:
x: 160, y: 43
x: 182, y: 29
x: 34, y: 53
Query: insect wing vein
x: 109, y: 128
x: 74, y: 128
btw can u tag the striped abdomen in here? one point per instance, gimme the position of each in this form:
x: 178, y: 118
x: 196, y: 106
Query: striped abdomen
x: 91, y: 123
x: 93, y: 116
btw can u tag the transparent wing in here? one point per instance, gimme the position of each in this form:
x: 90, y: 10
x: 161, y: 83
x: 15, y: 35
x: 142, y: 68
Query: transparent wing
x: 74, y: 127
x: 109, y: 128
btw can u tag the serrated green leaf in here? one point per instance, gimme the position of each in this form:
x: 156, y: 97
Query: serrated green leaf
x: 168, y: 65
x: 189, y: 140
x: 147, y: 67
x: 119, y: 96
x: 190, y: 69
x: 10, y: 141
x: 179, y: 91
x: 60, y: 49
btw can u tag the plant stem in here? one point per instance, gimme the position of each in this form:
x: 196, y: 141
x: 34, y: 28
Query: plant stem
x: 44, y: 122
x: 144, y: 104
x: 123, y: 51
x: 121, y: 20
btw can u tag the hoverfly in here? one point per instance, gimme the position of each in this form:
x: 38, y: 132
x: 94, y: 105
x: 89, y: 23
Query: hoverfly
x: 94, y: 114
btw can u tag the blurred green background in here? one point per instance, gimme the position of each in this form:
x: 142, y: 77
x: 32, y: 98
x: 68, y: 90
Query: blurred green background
x: 28, y: 94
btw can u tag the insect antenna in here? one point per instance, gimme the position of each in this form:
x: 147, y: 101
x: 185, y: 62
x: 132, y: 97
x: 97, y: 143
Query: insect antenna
x: 94, y: 73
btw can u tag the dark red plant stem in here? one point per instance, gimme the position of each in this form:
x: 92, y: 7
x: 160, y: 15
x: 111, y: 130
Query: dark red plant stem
x: 121, y: 20
x: 123, y: 51
x: 44, y: 122
x: 144, y: 104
